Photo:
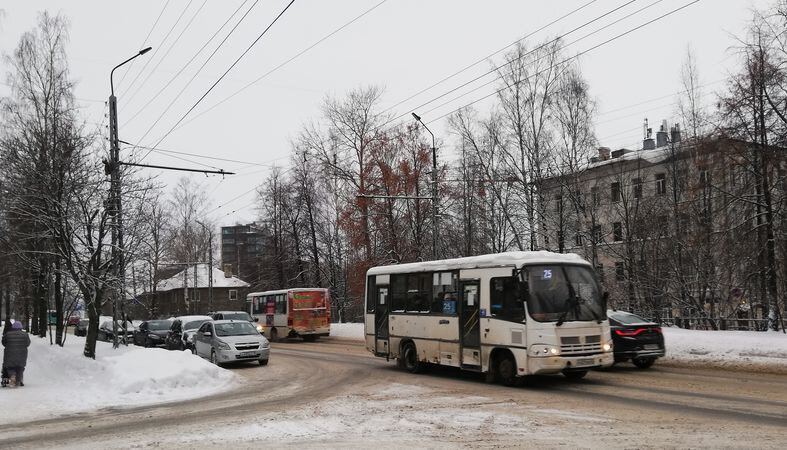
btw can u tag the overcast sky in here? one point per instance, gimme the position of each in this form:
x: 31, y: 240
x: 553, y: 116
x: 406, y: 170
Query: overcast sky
x: 401, y: 45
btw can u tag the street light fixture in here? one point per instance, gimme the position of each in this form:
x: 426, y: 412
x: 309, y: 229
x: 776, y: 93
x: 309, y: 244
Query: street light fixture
x: 434, y: 187
x: 114, y: 191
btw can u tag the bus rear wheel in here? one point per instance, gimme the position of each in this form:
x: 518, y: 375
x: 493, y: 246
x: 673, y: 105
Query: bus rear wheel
x: 409, y: 359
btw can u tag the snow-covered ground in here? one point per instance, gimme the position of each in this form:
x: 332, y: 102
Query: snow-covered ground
x: 62, y: 381
x: 733, y: 349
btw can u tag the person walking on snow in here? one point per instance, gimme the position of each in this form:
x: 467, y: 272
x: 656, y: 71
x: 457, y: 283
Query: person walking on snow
x: 7, y: 326
x: 16, y: 343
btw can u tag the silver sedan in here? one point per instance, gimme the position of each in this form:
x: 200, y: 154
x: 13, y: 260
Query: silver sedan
x: 226, y: 341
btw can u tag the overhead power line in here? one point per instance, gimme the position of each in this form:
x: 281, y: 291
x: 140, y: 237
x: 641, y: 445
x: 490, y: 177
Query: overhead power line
x: 158, y: 47
x: 299, y: 54
x: 157, y: 94
x: 485, y: 58
x: 144, y: 41
x: 638, y: 27
x: 164, y: 57
x: 223, y: 75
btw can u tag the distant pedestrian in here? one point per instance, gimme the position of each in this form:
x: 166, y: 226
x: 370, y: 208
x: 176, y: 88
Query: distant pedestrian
x: 16, y: 343
x: 7, y: 326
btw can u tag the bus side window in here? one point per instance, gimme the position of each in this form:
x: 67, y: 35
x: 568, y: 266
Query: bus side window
x: 371, y: 294
x: 504, y: 299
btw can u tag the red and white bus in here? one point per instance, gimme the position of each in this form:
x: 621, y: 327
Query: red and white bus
x: 300, y: 312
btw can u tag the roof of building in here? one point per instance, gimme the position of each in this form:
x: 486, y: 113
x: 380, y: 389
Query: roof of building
x: 181, y: 280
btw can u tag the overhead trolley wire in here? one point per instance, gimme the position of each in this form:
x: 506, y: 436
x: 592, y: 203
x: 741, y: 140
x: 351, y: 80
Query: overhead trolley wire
x: 194, y: 76
x: 144, y: 41
x: 163, y: 58
x: 266, y: 74
x: 223, y: 75
x: 479, y: 61
x: 158, y: 48
x: 157, y: 94
x: 638, y: 27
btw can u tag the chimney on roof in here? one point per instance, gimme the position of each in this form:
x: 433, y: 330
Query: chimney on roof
x: 227, y: 270
x: 647, y: 140
x: 675, y: 132
x: 661, y: 135
x: 603, y: 153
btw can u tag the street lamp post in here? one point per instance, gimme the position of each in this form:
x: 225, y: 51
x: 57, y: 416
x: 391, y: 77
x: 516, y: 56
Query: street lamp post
x: 434, y: 187
x: 114, y: 189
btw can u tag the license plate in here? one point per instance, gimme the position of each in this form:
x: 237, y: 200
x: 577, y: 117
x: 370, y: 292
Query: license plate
x: 584, y: 362
x: 651, y: 346
x: 248, y: 354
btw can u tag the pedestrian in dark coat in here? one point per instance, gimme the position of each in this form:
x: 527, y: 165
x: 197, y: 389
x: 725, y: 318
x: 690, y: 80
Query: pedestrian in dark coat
x: 16, y: 342
x: 8, y: 326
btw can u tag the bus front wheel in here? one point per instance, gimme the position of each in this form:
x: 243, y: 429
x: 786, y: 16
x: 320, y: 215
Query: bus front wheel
x: 409, y: 359
x: 506, y: 371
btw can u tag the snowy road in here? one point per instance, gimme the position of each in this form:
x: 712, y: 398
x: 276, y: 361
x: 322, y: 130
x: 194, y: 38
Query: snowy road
x: 333, y: 394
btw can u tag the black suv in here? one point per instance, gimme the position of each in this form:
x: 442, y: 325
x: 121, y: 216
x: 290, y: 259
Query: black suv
x: 635, y: 338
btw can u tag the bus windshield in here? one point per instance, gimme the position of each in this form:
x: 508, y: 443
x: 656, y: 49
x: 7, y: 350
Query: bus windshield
x: 560, y: 293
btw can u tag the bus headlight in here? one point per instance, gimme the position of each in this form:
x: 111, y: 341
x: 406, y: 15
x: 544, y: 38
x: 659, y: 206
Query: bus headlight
x: 544, y: 350
x: 607, y: 347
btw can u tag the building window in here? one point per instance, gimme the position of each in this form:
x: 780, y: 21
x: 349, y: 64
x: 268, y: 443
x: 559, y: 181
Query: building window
x: 637, y: 188
x: 617, y: 232
x: 194, y: 295
x: 228, y: 241
x: 615, y: 192
x: 661, y: 184
x: 620, y: 271
x: 578, y: 239
x: 600, y: 273
x: 559, y: 204
x: 704, y: 177
x: 227, y: 231
x: 595, y: 196
x: 597, y: 237
x: 233, y: 294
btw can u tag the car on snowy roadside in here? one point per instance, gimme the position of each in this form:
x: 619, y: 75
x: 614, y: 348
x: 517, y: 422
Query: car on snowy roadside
x: 635, y: 339
x: 228, y: 341
x: 235, y: 315
x: 181, y: 332
x: 81, y: 327
x: 152, y: 333
x: 107, y: 333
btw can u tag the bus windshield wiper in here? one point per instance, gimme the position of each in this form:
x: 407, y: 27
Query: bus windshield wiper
x: 571, y: 303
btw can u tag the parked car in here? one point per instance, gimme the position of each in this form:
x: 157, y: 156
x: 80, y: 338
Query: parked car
x: 73, y: 320
x: 235, y: 315
x: 81, y: 327
x: 226, y: 341
x: 106, y: 333
x: 181, y: 332
x: 152, y: 333
x: 635, y: 339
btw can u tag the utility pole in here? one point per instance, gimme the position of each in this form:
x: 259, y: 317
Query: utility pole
x: 434, y: 187
x: 118, y: 262
x: 210, y: 264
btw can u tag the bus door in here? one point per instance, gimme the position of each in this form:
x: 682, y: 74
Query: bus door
x: 381, y: 321
x: 469, y: 324
x: 270, y: 308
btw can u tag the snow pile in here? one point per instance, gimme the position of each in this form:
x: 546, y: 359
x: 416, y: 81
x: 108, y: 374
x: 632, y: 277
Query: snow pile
x: 347, y: 330
x: 733, y: 349
x: 62, y: 381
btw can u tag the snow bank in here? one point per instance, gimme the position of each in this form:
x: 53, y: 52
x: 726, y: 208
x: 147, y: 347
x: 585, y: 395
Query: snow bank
x: 347, y: 330
x: 62, y: 381
x: 732, y: 349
